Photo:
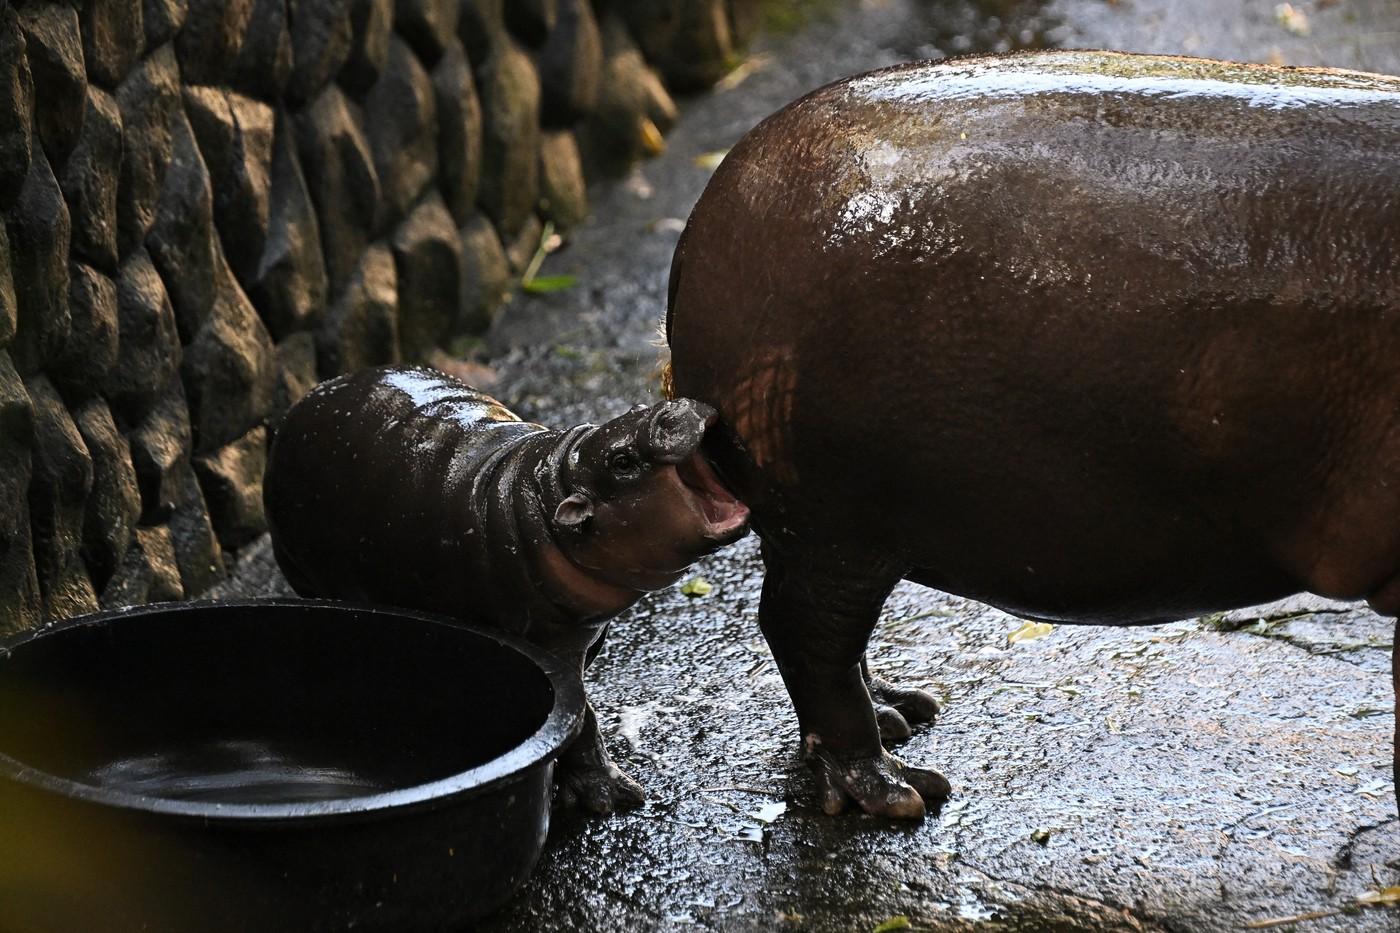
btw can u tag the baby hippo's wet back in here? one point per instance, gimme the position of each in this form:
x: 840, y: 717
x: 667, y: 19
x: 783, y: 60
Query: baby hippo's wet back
x: 405, y: 487
x: 1087, y: 336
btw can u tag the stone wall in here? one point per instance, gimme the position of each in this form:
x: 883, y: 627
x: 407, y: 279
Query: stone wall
x: 209, y: 205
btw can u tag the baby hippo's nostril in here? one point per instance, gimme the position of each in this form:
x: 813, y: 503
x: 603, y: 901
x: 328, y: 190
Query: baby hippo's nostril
x: 676, y: 429
x: 671, y: 419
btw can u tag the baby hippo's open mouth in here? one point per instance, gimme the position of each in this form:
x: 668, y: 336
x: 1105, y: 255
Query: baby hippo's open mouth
x: 724, y: 515
x: 674, y: 436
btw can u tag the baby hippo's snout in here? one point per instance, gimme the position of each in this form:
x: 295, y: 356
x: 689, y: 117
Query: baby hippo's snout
x: 676, y: 429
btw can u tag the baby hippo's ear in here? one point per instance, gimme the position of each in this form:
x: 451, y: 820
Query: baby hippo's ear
x: 574, y: 511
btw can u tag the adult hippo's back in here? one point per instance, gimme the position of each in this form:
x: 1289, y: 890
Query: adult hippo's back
x: 1087, y: 336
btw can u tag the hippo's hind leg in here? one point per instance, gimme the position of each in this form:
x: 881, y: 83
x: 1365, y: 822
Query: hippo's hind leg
x: 896, y: 706
x: 817, y: 613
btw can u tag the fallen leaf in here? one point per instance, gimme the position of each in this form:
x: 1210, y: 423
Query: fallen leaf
x: 711, y: 160
x: 697, y: 586
x: 769, y: 812
x: 1385, y: 896
x: 1030, y: 632
x: 653, y: 142
x: 897, y: 922
x: 666, y: 225
x: 544, y: 284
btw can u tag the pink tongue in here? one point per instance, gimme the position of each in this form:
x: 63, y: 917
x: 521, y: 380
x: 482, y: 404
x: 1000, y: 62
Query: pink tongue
x: 717, y: 503
x: 715, y: 512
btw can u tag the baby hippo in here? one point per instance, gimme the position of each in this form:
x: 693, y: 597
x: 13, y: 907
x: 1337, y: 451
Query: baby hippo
x: 403, y: 486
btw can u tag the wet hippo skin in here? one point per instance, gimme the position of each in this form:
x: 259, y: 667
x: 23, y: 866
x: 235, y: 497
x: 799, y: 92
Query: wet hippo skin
x: 405, y: 487
x: 1087, y: 336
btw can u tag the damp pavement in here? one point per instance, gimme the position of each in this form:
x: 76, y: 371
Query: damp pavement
x: 1196, y: 776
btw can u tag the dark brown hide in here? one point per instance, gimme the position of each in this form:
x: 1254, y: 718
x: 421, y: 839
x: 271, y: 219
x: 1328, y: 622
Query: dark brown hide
x: 1088, y: 336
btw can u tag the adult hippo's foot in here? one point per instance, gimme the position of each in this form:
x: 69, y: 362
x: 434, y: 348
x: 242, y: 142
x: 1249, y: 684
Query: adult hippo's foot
x: 588, y: 779
x: 896, y: 707
x: 817, y: 611
x: 880, y: 784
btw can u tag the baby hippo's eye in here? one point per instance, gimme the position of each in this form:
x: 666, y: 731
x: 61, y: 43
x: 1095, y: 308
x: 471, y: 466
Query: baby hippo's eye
x: 624, y: 461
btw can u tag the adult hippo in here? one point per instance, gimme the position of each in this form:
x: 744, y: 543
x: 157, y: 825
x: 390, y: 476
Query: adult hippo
x: 403, y: 486
x: 1088, y: 336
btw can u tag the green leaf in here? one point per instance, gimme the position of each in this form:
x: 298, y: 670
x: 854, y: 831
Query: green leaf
x: 897, y: 922
x: 544, y: 284
x: 697, y: 586
x: 1030, y: 632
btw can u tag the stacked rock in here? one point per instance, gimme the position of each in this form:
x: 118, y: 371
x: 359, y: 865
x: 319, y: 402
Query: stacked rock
x: 210, y: 205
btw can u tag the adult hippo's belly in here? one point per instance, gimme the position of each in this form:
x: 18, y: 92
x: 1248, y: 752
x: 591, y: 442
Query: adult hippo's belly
x: 1088, y: 336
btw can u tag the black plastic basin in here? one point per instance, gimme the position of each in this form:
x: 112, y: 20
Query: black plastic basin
x: 272, y: 765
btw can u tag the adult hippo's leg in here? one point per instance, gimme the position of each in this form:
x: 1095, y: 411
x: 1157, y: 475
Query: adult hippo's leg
x: 817, y: 613
x: 896, y: 706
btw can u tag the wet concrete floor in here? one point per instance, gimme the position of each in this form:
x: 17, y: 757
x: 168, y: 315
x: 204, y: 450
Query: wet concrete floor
x: 1190, y: 777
